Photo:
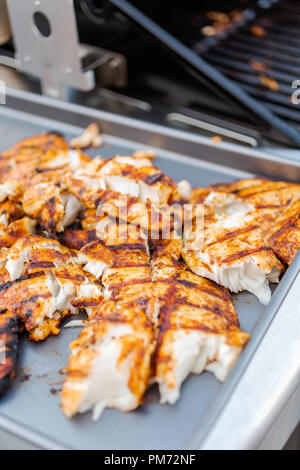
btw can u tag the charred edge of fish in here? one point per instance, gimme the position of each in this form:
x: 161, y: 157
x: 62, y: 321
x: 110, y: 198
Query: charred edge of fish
x: 20, y: 279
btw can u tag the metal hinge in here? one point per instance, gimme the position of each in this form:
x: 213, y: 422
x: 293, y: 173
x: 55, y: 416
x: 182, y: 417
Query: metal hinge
x: 47, y: 47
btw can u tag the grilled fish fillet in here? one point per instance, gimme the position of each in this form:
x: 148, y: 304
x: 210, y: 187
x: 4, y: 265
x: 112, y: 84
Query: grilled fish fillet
x: 75, y: 239
x: 10, y: 189
x: 53, y: 207
x: 34, y: 249
x: 199, y: 194
x: 181, y: 306
x: 135, y: 177
x: 129, y: 209
x: 272, y: 206
x: 128, y: 188
x: 15, y: 230
x: 268, y: 199
x: 235, y: 244
x: 233, y: 253
x: 38, y: 159
x: 110, y: 363
x: 12, y: 226
x: 198, y: 328
x: 38, y: 280
x: 9, y: 331
x: 284, y: 237
x: 122, y: 260
x: 271, y: 194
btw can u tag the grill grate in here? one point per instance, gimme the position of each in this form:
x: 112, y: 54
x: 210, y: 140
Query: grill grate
x: 254, y: 43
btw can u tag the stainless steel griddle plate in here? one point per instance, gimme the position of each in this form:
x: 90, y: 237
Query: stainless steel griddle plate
x: 31, y: 409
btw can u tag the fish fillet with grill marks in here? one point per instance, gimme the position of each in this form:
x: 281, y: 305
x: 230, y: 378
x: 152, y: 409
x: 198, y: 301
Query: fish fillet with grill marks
x: 202, y: 313
x: 9, y: 332
x: 12, y: 223
x: 284, y: 237
x: 198, y: 328
x: 271, y: 194
x: 136, y: 177
x: 110, y: 363
x: 233, y: 253
x: 37, y: 166
x: 121, y: 259
x: 135, y: 194
x: 199, y: 194
x: 267, y: 199
x: 37, y: 159
x: 38, y: 280
x: 272, y: 206
x: 53, y: 207
x: 235, y: 247
x: 75, y: 239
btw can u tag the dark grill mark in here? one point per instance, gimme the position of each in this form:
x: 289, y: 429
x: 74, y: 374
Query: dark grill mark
x: 22, y: 278
x: 187, y: 283
x: 34, y: 298
x: 257, y: 190
x: 45, y: 170
x: 244, y: 253
x: 152, y: 179
x: 128, y: 246
x: 234, y: 233
x: 50, y: 204
x: 41, y: 264
x: 85, y: 303
x: 164, y: 315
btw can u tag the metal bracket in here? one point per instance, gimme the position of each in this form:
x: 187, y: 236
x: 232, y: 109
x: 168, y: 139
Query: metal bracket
x: 46, y: 40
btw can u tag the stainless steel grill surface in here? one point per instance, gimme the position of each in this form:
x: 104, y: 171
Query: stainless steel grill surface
x: 31, y: 409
